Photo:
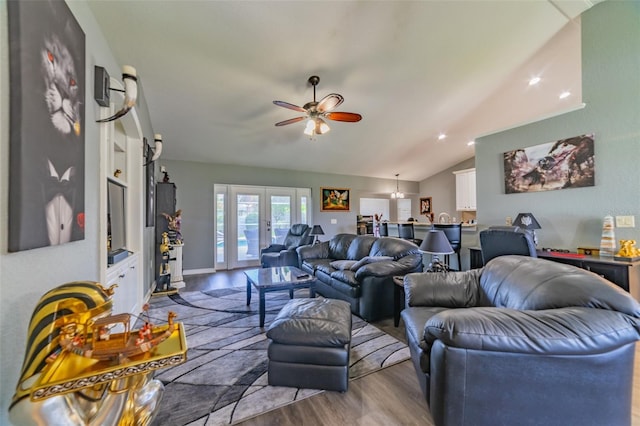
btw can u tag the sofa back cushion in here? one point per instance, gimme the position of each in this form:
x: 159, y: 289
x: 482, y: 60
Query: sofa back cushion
x: 526, y: 283
x: 339, y: 246
x: 360, y: 247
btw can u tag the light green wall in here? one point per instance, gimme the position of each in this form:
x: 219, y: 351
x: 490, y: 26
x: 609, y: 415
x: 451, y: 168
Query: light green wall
x: 194, y: 182
x: 611, y: 91
x: 25, y: 276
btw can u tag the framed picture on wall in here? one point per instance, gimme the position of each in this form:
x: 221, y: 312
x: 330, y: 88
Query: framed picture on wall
x: 47, y: 125
x: 426, y: 208
x: 566, y: 163
x: 335, y: 199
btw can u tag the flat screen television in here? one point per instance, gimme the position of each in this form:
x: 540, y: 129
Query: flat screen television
x: 116, y: 224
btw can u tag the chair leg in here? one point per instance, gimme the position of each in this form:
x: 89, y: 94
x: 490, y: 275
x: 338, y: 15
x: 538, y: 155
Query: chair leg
x: 459, y: 263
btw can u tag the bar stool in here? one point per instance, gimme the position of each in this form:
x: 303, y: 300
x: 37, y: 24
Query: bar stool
x: 453, y: 231
x: 405, y: 231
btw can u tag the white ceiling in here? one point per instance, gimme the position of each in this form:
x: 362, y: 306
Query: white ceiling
x: 210, y: 71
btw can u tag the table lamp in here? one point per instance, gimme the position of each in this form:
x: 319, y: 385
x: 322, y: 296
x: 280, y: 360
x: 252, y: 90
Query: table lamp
x: 435, y: 243
x: 528, y: 222
x: 315, y: 231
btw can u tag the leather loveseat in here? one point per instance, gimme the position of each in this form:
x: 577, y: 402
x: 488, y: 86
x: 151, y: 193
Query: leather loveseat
x: 522, y: 341
x: 359, y: 269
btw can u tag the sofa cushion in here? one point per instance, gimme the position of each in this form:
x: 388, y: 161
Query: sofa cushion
x: 339, y: 246
x: 523, y: 282
x: 347, y: 276
x: 349, y: 288
x: 369, y: 259
x: 312, y: 322
x: 360, y: 247
x: 563, y: 331
x: 343, y: 264
x: 325, y: 266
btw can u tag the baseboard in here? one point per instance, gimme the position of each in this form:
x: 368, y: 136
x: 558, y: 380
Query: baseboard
x: 198, y: 271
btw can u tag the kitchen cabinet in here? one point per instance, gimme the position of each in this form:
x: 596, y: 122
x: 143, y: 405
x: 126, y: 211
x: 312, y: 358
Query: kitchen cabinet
x: 465, y: 190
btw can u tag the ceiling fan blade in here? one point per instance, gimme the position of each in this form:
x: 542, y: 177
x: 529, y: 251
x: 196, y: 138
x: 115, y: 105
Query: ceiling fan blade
x: 350, y: 117
x: 290, y: 121
x: 290, y: 106
x: 329, y: 102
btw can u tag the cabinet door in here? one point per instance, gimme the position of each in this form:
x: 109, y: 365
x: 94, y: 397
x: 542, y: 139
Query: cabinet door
x: 466, y: 190
x: 617, y: 274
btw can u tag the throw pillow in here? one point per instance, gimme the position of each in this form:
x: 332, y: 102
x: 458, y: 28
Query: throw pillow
x: 343, y: 265
x: 369, y: 259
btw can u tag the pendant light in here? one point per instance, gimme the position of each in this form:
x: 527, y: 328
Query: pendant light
x: 397, y: 193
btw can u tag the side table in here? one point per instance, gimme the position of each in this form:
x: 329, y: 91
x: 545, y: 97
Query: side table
x: 398, y: 298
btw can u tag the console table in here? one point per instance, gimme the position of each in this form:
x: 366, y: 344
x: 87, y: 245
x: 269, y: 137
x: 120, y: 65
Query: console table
x: 623, y: 274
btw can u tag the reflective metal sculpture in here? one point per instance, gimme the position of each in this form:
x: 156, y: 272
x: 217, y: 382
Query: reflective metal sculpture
x: 77, y: 371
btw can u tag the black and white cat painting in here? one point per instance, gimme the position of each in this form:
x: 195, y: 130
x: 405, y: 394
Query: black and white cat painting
x: 47, y: 65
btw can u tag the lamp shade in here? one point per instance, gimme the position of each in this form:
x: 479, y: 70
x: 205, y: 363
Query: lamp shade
x: 436, y: 242
x: 316, y: 230
x: 526, y: 221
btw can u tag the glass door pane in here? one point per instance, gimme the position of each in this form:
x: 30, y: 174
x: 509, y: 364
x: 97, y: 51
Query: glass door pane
x: 248, y: 227
x: 280, y: 217
x: 220, y: 252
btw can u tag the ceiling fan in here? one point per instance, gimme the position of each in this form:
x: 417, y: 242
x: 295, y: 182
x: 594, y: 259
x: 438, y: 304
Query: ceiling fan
x: 316, y: 111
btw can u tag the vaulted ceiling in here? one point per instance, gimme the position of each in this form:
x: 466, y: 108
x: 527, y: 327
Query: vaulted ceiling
x: 210, y: 71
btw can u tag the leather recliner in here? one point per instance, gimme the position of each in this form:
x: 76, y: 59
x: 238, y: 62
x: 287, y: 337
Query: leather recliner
x: 522, y: 341
x: 285, y: 254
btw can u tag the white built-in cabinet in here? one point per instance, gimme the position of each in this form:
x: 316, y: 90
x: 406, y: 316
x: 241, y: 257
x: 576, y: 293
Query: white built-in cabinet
x: 465, y: 190
x: 121, y: 149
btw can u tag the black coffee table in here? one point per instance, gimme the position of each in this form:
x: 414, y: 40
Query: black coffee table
x: 276, y: 279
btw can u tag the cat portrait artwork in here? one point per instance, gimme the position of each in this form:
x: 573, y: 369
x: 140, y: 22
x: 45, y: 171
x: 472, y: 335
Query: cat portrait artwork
x: 47, y: 125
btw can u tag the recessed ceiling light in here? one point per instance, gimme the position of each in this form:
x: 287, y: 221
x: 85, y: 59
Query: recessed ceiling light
x: 470, y: 143
x: 441, y: 136
x: 564, y: 95
x: 534, y: 81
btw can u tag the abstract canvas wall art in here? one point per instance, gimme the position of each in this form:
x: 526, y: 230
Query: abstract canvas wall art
x: 566, y: 163
x: 46, y: 148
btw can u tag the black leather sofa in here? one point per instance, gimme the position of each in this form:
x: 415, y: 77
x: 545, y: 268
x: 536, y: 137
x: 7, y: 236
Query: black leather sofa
x: 359, y: 269
x: 522, y: 341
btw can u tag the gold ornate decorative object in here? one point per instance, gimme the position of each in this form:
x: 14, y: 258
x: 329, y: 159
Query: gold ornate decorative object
x: 77, y: 372
x: 117, y: 173
x: 164, y: 244
x: 628, y: 250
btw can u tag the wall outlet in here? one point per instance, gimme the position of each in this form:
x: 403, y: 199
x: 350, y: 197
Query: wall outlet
x: 625, y: 221
x: 334, y: 221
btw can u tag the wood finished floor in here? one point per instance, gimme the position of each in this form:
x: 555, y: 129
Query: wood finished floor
x: 388, y: 397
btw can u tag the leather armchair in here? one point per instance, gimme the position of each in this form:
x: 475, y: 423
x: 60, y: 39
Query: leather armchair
x: 498, y: 241
x: 285, y: 254
x: 522, y: 341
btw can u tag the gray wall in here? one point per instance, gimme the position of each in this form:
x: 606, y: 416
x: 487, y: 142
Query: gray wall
x: 611, y: 90
x: 194, y: 182
x: 441, y: 188
x: 25, y: 276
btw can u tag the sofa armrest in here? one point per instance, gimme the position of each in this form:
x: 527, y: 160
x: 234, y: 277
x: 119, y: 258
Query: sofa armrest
x: 564, y: 331
x: 443, y: 289
x: 314, y: 251
x: 379, y: 269
x: 273, y: 248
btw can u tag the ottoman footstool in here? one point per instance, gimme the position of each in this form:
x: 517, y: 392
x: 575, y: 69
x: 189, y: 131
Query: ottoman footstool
x: 309, y: 345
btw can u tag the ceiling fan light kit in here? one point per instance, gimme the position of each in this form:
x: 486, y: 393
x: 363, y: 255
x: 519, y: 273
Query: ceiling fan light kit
x: 316, y: 111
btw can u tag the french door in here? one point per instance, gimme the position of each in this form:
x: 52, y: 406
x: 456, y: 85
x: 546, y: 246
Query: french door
x: 249, y: 218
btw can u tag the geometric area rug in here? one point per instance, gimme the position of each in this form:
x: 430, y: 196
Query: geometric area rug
x: 224, y: 379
